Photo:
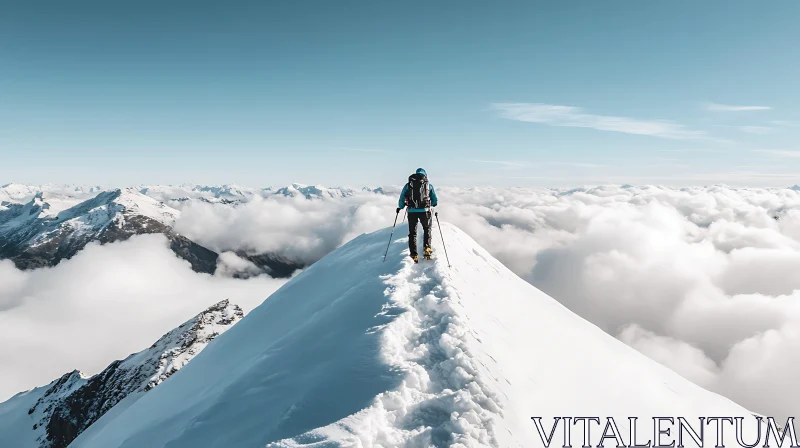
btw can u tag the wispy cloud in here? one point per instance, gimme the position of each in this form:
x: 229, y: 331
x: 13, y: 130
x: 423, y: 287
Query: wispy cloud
x: 756, y: 129
x: 580, y: 164
x: 750, y: 129
x: 794, y: 154
x: 689, y: 150
x: 715, y: 107
x: 375, y: 151
x: 786, y: 123
x: 554, y: 115
x: 510, y: 164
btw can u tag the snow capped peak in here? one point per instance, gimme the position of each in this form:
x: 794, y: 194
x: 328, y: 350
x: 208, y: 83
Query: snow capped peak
x: 54, y: 415
x: 21, y: 193
x: 87, y: 189
x: 137, y: 203
x: 378, y: 190
x: 15, y: 194
x: 49, y: 228
x: 59, y: 389
x: 358, y: 352
x: 44, y: 204
x: 176, y: 348
x: 314, y: 192
x: 226, y: 191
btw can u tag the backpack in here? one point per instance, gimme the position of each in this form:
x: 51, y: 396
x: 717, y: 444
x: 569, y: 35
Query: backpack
x: 417, y: 194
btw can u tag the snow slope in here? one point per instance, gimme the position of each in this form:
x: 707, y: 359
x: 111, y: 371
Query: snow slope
x: 21, y: 415
x: 53, y: 415
x: 354, y: 352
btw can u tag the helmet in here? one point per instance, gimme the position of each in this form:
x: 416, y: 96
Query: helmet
x: 421, y: 171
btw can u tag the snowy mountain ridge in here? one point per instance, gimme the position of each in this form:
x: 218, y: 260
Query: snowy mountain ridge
x: 34, y: 234
x: 234, y: 193
x: 54, y: 415
x: 314, y: 191
x: 50, y: 228
x: 20, y: 193
x: 357, y: 352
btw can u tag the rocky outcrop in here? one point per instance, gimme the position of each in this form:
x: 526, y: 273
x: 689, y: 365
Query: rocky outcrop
x: 71, y: 404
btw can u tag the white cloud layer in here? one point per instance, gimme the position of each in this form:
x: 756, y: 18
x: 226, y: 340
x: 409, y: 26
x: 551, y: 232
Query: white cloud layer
x: 296, y: 227
x: 714, y: 107
x: 104, y: 304
x: 700, y: 279
x: 569, y: 116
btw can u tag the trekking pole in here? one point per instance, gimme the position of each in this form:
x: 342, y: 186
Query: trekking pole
x: 442, y: 235
x: 392, y: 234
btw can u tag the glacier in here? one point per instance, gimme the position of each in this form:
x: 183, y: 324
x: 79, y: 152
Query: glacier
x: 354, y: 352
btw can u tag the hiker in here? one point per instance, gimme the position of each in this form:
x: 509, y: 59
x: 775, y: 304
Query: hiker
x: 419, y: 196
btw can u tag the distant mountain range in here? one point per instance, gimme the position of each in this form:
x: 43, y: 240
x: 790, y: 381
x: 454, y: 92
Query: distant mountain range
x: 41, y: 226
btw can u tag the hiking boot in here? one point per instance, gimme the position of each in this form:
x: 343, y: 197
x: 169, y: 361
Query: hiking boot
x: 415, y: 258
x: 428, y: 253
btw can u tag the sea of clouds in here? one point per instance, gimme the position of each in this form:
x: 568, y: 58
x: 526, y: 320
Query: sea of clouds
x: 103, y: 304
x: 703, y: 280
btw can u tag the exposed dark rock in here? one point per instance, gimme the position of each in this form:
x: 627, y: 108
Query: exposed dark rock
x: 32, y: 241
x: 201, y: 259
x: 73, y: 403
x: 275, y: 265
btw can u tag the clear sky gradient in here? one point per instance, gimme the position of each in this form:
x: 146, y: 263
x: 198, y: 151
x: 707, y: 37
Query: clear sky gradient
x: 363, y: 92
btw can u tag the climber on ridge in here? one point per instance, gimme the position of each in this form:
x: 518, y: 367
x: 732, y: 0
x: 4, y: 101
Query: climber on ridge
x: 419, y: 196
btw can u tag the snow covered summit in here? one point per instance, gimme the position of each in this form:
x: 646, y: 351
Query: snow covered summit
x: 354, y: 352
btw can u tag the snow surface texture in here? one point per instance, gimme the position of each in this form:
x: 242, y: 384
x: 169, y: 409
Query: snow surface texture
x: 53, y: 415
x: 698, y: 278
x: 354, y: 352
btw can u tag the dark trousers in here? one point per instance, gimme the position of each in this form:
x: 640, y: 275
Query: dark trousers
x: 423, y: 218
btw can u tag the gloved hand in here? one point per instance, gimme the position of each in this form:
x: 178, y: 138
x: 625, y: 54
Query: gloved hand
x: 398, y: 211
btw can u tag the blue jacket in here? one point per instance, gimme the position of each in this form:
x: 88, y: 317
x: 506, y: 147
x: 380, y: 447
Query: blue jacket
x: 434, y: 200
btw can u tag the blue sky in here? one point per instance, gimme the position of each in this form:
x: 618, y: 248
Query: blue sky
x: 363, y: 92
